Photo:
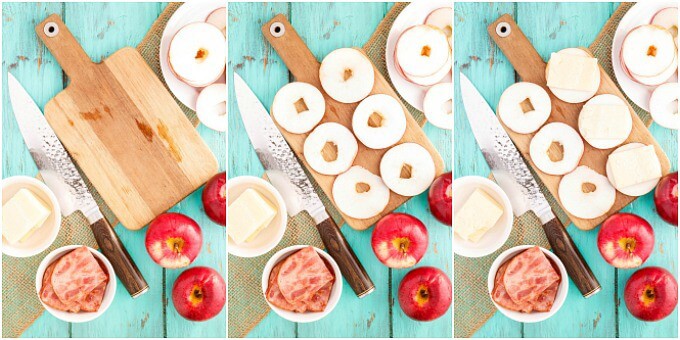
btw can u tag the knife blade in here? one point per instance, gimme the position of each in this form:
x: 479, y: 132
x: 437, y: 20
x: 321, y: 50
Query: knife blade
x: 62, y: 177
x: 287, y: 175
x: 514, y: 177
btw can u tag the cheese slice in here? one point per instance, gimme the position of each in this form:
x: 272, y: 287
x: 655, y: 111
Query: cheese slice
x: 598, y: 121
x: 573, y: 72
x: 22, y: 215
x: 634, y: 166
x: 479, y: 213
x: 248, y: 215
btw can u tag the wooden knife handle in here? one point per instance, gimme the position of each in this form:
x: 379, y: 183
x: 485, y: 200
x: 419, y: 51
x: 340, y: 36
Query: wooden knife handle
x: 566, y: 250
x: 122, y: 263
x: 64, y: 46
x: 342, y: 253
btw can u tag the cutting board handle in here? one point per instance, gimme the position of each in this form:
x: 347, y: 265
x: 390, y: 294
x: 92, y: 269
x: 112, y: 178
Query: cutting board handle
x: 64, y: 46
x: 528, y: 64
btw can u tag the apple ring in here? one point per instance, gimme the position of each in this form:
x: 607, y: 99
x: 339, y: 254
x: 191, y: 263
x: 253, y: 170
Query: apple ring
x: 567, y: 138
x: 358, y: 193
x: 347, y: 75
x: 197, y: 55
x: 407, y: 169
x: 585, y: 193
x: 663, y: 105
x: 422, y: 50
x: 438, y: 105
x: 383, y: 130
x: 345, y: 144
x: 524, y: 107
x: 605, y: 129
x: 298, y: 107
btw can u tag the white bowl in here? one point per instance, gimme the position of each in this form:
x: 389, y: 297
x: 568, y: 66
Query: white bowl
x: 413, y: 14
x: 109, y: 294
x: 336, y: 291
x: 42, y: 238
x: 496, y: 236
x: 640, y: 14
x: 270, y: 236
x: 189, y: 12
x: 562, y: 290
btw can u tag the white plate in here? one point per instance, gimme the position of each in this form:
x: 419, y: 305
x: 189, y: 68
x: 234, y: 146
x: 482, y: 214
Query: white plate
x: 270, y: 236
x: 192, y: 11
x: 639, y: 14
x: 42, y: 238
x: 413, y: 14
x: 494, y: 237
x: 109, y: 293
x: 562, y: 290
x: 336, y: 291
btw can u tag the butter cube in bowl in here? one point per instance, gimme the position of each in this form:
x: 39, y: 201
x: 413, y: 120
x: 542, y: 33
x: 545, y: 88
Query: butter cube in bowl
x: 256, y: 216
x: 31, y: 217
x: 482, y: 216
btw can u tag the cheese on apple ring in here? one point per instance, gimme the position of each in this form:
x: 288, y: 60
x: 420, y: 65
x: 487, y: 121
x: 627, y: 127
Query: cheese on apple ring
x: 347, y: 75
x: 563, y: 135
x: 379, y: 121
x: 605, y: 121
x: 298, y: 107
x: 632, y: 190
x: 343, y: 141
x: 590, y: 70
x: 358, y: 193
x: 407, y: 169
x: 585, y: 193
x: 524, y: 107
x: 438, y: 105
x: 422, y: 50
x: 663, y: 105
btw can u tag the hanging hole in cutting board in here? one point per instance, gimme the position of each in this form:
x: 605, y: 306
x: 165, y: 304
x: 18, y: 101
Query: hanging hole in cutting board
x: 51, y: 29
x: 277, y: 29
x: 503, y: 29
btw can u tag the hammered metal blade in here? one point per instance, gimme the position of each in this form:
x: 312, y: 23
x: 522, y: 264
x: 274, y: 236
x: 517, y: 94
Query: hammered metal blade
x: 55, y: 165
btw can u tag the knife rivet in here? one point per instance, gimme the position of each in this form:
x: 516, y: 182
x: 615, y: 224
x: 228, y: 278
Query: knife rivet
x: 51, y: 29
x: 503, y: 29
x: 277, y: 29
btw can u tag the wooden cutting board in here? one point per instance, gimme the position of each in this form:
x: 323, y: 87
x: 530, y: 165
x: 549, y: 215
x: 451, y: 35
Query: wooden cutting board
x: 124, y: 130
x: 531, y: 68
x: 305, y: 68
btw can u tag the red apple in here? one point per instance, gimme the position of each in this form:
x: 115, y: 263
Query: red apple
x: 625, y: 240
x: 215, y: 199
x: 199, y: 293
x: 439, y: 198
x: 399, y: 240
x: 666, y: 198
x: 425, y: 293
x: 651, y: 294
x: 173, y: 240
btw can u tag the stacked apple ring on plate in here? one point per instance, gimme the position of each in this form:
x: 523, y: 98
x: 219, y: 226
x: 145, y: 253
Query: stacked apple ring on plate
x: 605, y: 122
x: 378, y: 122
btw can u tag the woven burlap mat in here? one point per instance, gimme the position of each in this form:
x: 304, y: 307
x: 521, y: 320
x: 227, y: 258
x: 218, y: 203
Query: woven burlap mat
x: 473, y: 307
x: 247, y: 306
x: 20, y: 303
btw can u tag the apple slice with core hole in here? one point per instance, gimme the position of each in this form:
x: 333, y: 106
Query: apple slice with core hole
x: 438, y: 105
x: 211, y: 107
x: 422, y: 50
x: 663, y: 105
x: 585, y: 193
x: 218, y: 18
x: 668, y: 19
x: 197, y: 54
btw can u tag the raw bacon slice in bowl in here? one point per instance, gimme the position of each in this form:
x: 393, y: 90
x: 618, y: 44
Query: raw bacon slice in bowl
x: 301, y: 283
x: 86, y: 306
x: 528, y: 283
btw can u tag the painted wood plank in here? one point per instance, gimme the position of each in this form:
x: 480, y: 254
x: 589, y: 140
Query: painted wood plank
x: 27, y: 60
x: 326, y: 27
x: 480, y: 59
x: 263, y: 70
x: 103, y: 28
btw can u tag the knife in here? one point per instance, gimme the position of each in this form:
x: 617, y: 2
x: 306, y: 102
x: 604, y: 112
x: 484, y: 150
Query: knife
x: 513, y: 175
x: 286, y: 175
x: 61, y: 176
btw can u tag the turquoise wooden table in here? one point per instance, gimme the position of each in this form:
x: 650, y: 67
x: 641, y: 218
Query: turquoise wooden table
x: 551, y: 27
x: 102, y: 28
x: 325, y: 27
